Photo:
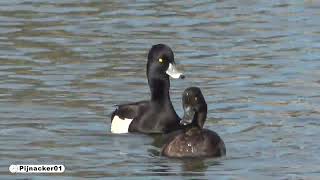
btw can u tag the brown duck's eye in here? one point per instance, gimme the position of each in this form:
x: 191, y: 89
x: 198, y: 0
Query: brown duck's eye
x: 196, y: 98
x: 161, y: 60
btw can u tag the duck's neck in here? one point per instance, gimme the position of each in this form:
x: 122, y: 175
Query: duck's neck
x: 199, y: 118
x: 160, y: 90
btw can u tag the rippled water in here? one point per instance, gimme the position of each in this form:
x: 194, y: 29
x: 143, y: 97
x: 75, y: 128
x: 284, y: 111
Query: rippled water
x: 64, y: 63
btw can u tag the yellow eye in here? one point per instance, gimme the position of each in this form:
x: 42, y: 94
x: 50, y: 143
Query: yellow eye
x: 160, y: 60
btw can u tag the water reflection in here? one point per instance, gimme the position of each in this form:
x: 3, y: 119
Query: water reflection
x: 193, y: 165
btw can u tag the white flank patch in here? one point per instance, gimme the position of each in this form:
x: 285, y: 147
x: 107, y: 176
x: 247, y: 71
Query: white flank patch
x: 119, y: 126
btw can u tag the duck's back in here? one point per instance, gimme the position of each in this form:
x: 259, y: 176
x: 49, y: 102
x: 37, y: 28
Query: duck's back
x: 155, y: 119
x: 124, y: 115
x: 130, y: 111
x: 195, y: 142
x: 144, y: 117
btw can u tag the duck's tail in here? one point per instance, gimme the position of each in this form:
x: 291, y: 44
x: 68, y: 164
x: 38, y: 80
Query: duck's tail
x: 114, y: 112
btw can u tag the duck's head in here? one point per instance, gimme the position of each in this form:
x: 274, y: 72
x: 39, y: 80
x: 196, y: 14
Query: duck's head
x: 194, y: 106
x: 161, y: 63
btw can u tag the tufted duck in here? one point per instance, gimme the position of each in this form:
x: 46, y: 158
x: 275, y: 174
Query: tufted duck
x: 193, y: 140
x: 156, y: 115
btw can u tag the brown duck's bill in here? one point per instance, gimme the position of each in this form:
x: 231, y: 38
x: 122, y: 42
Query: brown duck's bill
x: 187, y: 116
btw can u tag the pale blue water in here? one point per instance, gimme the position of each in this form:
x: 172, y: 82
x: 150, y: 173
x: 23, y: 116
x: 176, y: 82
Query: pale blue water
x: 65, y: 63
